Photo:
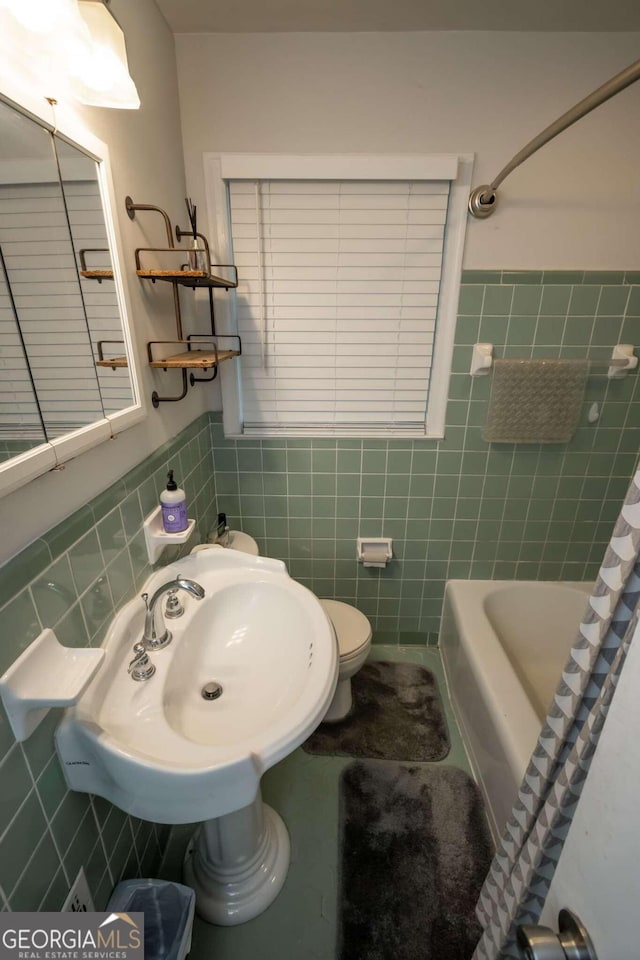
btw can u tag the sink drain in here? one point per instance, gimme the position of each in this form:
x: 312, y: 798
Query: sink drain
x: 212, y: 690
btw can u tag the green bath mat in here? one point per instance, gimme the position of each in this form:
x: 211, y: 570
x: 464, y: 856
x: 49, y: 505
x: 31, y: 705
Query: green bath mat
x: 414, y: 850
x: 396, y: 715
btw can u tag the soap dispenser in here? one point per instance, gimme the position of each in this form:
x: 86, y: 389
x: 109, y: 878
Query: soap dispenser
x: 173, y: 502
x: 223, y: 534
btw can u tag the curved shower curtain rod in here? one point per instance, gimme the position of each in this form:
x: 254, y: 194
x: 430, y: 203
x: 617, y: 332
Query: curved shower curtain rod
x: 482, y: 201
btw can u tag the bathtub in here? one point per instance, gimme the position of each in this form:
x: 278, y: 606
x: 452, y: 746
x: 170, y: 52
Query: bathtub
x: 504, y: 644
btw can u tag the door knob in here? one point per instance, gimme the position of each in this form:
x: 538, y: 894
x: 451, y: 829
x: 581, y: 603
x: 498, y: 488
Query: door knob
x: 572, y: 942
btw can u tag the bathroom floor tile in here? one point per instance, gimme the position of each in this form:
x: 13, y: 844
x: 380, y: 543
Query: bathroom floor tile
x: 301, y: 923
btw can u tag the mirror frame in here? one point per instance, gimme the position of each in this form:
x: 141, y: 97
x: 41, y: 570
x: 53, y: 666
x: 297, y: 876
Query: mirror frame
x: 50, y: 455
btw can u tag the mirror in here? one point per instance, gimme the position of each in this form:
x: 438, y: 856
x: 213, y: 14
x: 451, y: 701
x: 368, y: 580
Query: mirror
x: 61, y: 299
x: 21, y: 426
x: 90, y: 247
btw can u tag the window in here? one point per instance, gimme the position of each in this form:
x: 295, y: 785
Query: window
x: 347, y: 295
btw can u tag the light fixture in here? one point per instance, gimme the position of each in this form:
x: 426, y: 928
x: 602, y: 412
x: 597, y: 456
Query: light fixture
x: 69, y: 48
x: 43, y: 16
x: 30, y: 54
x: 103, y: 78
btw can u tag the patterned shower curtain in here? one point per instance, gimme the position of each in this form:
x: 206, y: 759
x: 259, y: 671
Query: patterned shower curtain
x: 520, y: 876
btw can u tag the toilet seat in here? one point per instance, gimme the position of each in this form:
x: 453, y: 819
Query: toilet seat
x: 352, y: 628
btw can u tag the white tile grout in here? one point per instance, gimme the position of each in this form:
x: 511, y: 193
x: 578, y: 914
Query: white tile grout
x: 59, y: 871
x: 152, y: 838
x: 99, y: 828
x: 30, y: 859
x: 71, y: 546
x: 17, y: 747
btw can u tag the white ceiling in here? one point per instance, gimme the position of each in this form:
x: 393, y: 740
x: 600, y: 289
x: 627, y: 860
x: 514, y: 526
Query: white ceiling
x: 271, y: 16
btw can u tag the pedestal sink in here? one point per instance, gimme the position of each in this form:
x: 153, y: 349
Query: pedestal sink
x: 249, y: 673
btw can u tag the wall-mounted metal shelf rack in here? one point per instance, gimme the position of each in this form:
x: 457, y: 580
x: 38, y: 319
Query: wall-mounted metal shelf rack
x: 195, y: 271
x: 199, y: 359
x: 203, y: 359
x: 189, y: 359
x: 186, y: 276
x: 193, y: 358
x: 92, y: 273
x: 113, y: 362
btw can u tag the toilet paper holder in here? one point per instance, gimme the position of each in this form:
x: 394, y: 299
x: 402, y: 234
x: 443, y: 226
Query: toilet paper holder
x: 374, y: 551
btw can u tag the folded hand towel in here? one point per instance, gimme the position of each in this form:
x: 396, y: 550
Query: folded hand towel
x: 535, y: 401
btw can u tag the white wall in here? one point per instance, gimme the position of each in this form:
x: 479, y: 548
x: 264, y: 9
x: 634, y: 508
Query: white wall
x: 147, y: 163
x: 575, y: 205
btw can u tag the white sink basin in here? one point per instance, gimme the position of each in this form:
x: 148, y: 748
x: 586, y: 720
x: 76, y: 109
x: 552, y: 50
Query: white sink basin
x: 255, y: 639
x: 160, y: 751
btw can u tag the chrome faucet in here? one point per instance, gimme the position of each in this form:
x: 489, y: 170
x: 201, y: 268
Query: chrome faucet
x: 155, y: 634
x: 141, y: 667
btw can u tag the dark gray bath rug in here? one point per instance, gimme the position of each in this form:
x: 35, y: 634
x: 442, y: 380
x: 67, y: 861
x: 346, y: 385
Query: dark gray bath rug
x: 415, y: 848
x: 396, y: 715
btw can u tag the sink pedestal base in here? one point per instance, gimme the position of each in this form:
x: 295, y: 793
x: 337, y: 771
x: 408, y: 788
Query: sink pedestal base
x: 238, y: 863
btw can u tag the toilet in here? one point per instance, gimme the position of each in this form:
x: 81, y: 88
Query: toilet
x: 353, y: 632
x: 351, y: 627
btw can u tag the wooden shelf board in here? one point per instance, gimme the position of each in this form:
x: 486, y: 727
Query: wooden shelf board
x: 170, y: 274
x: 189, y: 278
x: 97, y: 274
x: 113, y: 362
x: 190, y: 358
x: 194, y: 358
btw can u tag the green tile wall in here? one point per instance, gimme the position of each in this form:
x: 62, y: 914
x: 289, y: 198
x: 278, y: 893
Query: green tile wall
x: 73, y: 579
x: 11, y: 448
x: 455, y: 508
x: 459, y: 507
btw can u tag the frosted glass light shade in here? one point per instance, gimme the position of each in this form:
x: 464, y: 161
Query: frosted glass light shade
x: 102, y: 77
x: 43, y: 16
x: 68, y: 48
x: 33, y: 56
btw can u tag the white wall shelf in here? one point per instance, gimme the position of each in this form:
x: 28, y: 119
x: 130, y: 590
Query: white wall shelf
x: 157, y: 538
x: 45, y: 675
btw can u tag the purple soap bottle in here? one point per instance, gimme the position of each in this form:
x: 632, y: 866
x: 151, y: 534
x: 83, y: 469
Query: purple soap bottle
x: 173, y: 502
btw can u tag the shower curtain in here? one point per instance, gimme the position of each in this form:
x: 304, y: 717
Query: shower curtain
x: 521, y: 873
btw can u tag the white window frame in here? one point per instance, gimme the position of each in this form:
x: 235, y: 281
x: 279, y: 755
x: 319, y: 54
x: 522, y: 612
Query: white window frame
x: 219, y: 168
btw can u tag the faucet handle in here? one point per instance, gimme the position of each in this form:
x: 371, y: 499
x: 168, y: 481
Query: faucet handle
x: 145, y: 599
x: 141, y: 667
x: 174, y: 607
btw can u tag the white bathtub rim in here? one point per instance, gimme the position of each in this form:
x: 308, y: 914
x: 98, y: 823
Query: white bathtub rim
x: 475, y: 619
x: 514, y: 716
x: 471, y: 617
x: 514, y: 707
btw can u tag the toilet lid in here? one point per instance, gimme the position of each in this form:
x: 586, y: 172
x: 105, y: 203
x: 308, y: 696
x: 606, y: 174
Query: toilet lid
x: 352, y: 628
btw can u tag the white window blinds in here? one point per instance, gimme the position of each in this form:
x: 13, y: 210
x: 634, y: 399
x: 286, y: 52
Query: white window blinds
x: 337, y: 303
